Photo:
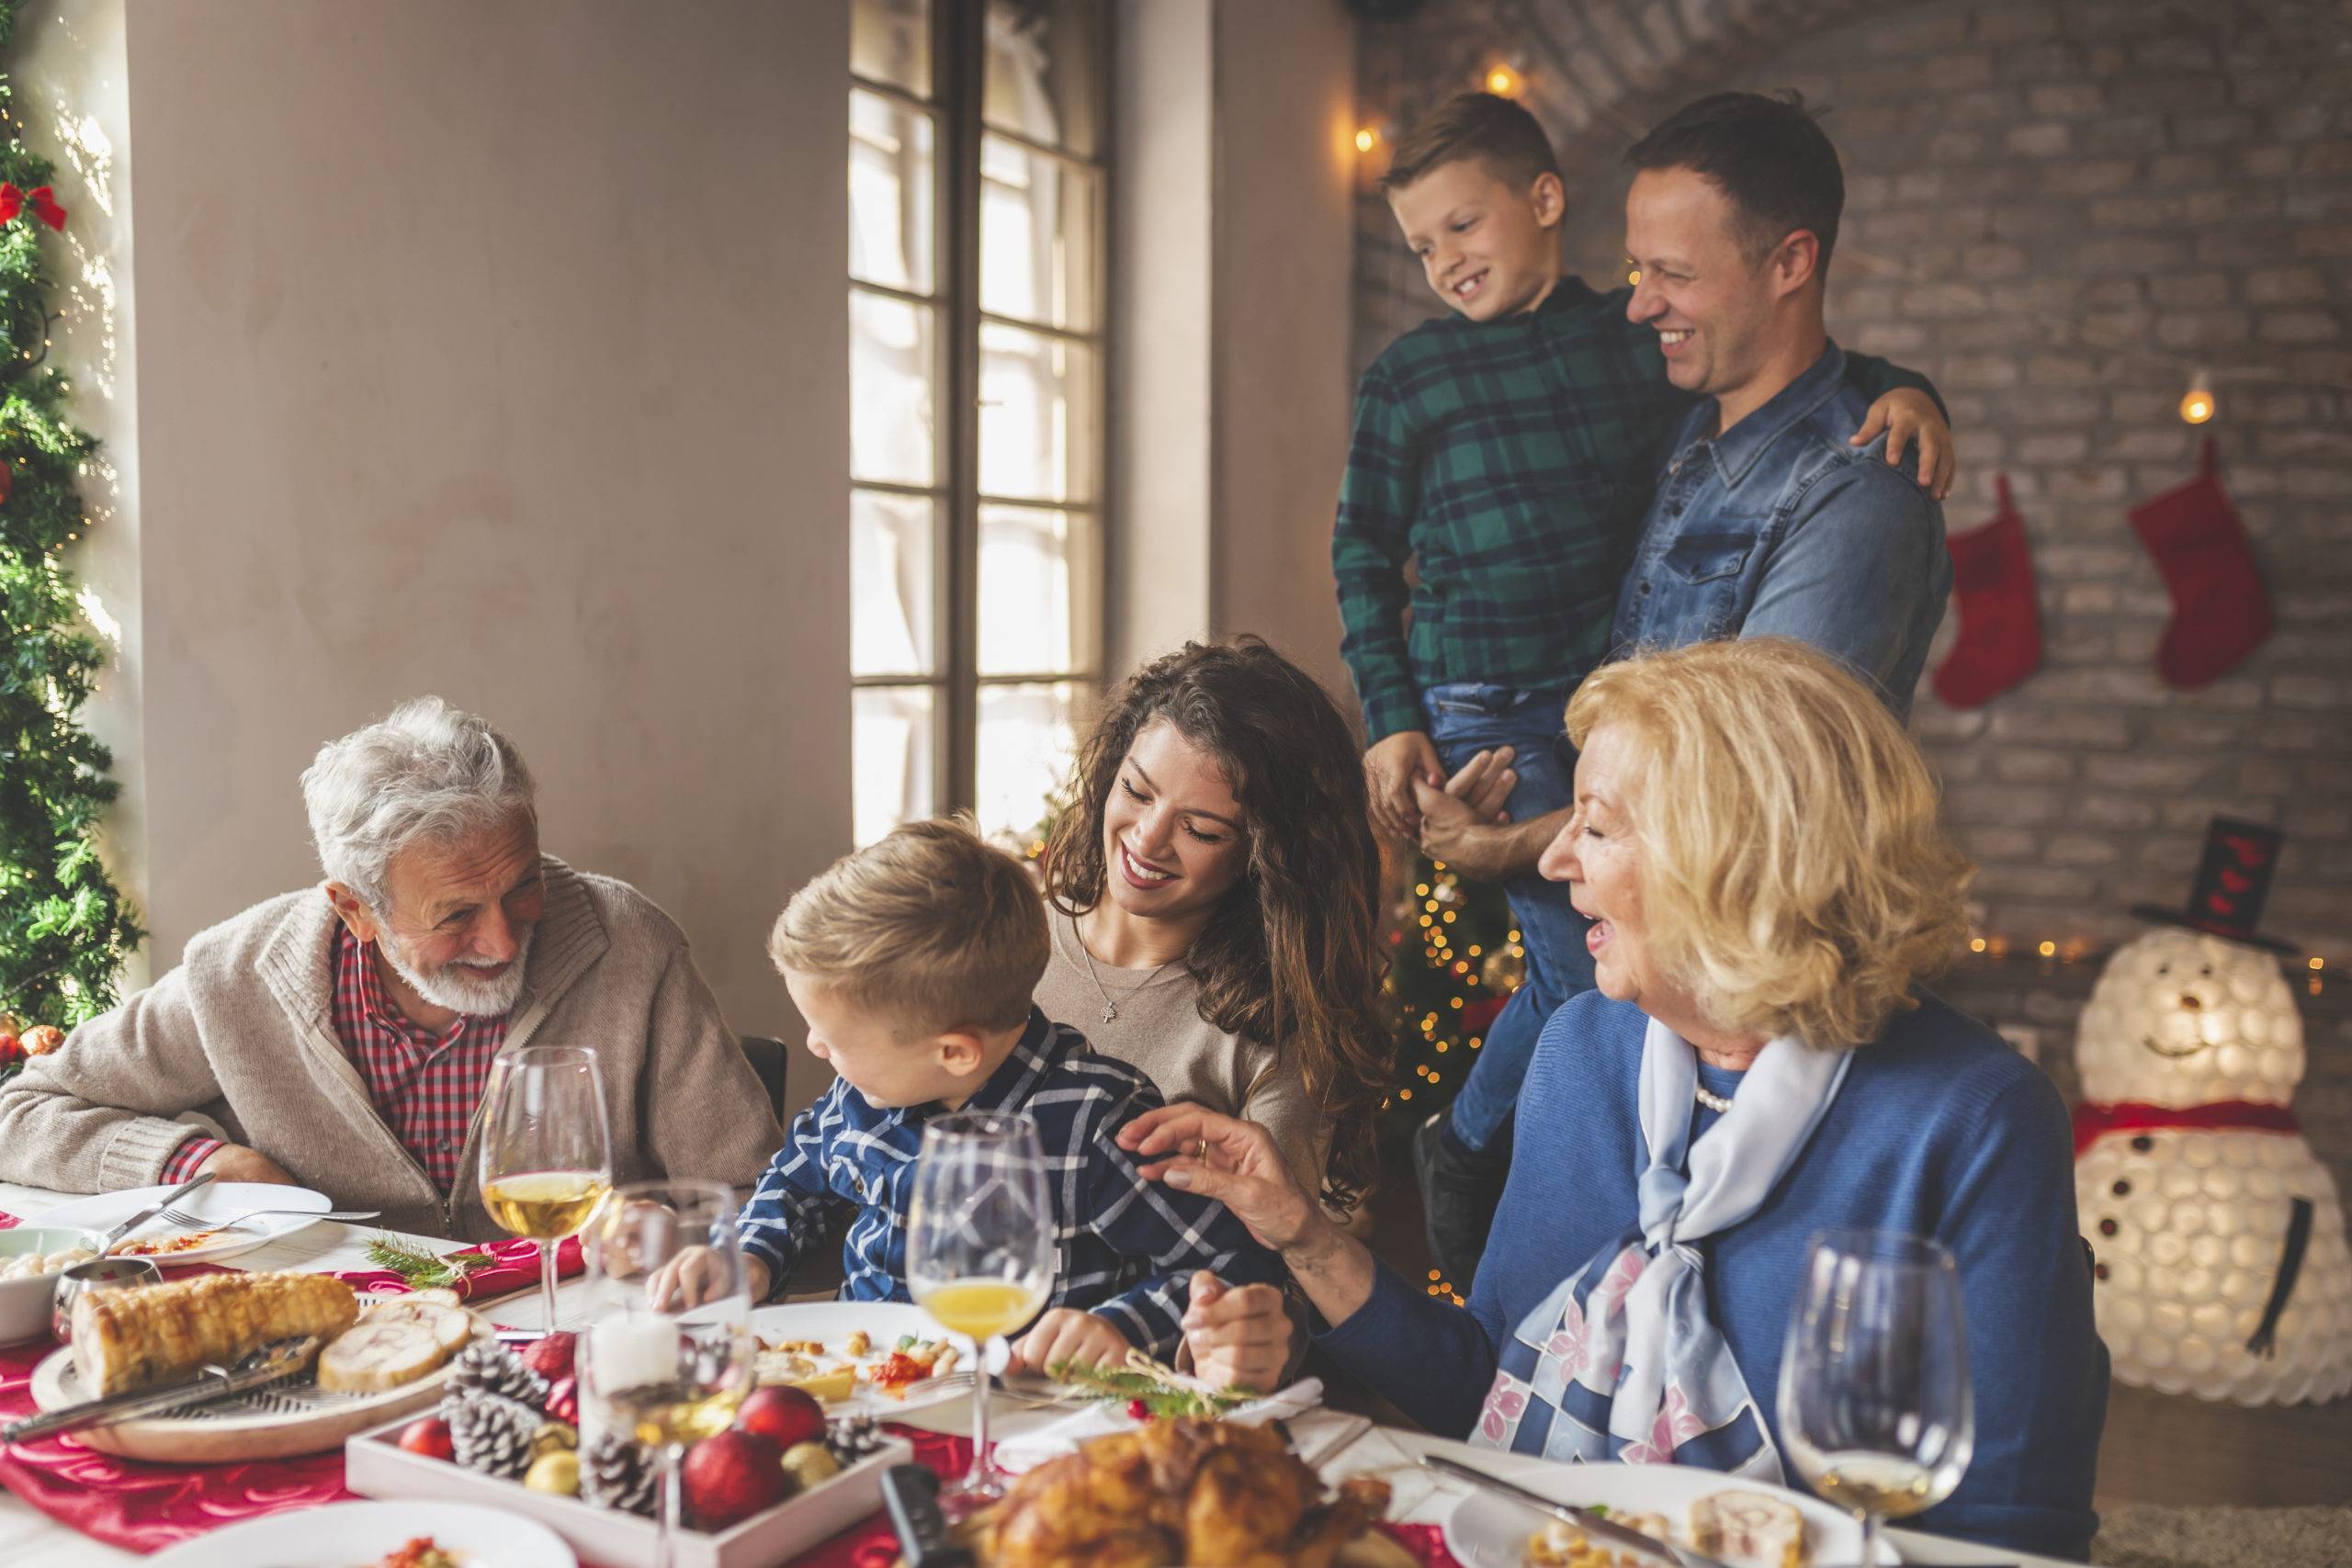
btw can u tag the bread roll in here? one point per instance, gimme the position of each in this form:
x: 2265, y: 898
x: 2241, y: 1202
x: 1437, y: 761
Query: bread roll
x: 126, y: 1340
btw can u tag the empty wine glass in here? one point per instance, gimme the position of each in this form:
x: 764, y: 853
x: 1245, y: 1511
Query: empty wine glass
x: 1874, y: 1398
x: 981, y: 1254
x: 668, y: 1374
x: 546, y: 1157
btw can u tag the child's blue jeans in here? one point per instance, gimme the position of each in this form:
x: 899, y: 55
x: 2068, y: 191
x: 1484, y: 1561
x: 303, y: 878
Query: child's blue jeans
x: 1464, y: 720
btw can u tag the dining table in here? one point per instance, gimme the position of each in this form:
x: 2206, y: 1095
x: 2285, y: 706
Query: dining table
x: 1337, y: 1441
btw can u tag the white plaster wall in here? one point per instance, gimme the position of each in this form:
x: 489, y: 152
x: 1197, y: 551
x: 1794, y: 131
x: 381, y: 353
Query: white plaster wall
x: 1232, y: 252
x: 498, y: 352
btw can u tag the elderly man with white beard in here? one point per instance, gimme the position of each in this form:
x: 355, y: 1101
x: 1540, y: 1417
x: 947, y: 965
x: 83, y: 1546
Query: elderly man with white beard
x: 340, y: 1037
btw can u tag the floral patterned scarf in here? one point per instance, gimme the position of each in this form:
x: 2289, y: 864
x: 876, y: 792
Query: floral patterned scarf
x: 1621, y: 1361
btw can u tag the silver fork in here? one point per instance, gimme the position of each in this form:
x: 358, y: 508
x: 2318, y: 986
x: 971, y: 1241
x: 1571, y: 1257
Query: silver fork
x: 205, y: 1222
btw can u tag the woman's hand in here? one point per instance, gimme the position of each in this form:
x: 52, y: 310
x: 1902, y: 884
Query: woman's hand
x: 1068, y: 1336
x: 1239, y: 1337
x: 1907, y: 413
x: 1231, y: 1160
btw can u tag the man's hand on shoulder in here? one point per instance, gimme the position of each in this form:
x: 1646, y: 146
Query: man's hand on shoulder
x: 234, y: 1162
x: 1392, y: 767
x: 1907, y: 415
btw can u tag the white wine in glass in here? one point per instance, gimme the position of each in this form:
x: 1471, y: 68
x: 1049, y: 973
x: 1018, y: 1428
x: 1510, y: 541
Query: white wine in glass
x: 1874, y: 1402
x: 668, y: 1374
x: 547, y: 1158
x: 980, y: 1254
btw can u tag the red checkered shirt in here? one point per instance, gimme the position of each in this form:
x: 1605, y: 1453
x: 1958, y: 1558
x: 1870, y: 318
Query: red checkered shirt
x: 425, y: 1086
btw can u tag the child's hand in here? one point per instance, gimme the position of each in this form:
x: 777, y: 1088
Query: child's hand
x: 1390, y: 769
x: 1066, y: 1333
x: 696, y: 1275
x: 1907, y: 415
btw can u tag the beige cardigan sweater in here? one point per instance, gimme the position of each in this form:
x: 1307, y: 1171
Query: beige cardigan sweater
x: 241, y: 1036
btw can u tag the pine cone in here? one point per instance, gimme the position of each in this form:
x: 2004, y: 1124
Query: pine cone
x: 854, y: 1437
x: 489, y: 1433
x: 488, y: 1368
x: 616, y: 1471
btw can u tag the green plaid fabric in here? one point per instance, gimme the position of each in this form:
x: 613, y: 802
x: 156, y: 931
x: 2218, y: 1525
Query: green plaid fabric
x: 1512, y: 461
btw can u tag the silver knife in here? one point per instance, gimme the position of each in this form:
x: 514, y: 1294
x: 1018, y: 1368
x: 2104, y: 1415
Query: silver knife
x: 143, y: 1216
x: 1585, y: 1519
x: 274, y: 1363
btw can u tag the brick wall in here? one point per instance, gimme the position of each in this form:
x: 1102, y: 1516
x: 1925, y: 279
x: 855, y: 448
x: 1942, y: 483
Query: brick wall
x: 2052, y: 208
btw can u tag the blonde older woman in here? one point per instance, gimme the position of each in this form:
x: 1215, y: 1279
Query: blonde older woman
x: 1755, y: 841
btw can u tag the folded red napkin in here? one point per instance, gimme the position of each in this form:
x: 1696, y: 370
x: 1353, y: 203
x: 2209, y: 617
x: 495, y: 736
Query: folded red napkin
x: 516, y: 1267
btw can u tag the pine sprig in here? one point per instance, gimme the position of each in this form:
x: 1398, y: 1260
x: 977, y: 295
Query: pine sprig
x: 423, y: 1269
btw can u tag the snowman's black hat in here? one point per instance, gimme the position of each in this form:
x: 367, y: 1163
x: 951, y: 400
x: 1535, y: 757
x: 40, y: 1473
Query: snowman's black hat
x: 2232, y: 882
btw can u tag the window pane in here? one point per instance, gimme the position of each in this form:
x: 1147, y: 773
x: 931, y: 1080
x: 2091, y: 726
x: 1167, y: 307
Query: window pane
x: 1038, y: 419
x: 890, y: 584
x: 1027, y: 738
x: 1042, y: 58
x: 892, y: 737
x: 1036, y: 599
x: 893, y: 360
x: 891, y: 167
x: 890, y: 41
x: 1037, y: 252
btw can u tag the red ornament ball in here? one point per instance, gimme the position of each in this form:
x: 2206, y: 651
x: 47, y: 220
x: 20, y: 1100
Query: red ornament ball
x: 729, y: 1477
x: 428, y: 1435
x: 788, y: 1415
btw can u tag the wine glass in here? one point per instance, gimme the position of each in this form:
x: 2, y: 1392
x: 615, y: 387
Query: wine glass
x: 669, y: 1375
x: 981, y: 1254
x: 546, y: 1157
x: 1874, y: 1401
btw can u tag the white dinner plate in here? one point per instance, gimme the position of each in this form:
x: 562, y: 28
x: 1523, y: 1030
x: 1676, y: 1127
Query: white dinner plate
x: 884, y: 1322
x: 345, y: 1534
x: 215, y: 1201
x: 1486, y: 1530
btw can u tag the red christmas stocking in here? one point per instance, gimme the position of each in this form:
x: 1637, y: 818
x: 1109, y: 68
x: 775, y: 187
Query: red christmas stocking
x: 2000, y: 623
x: 2220, y: 612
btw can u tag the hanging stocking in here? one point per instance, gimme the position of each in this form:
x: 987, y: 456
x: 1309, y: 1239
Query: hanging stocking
x: 2000, y: 623
x: 2220, y: 612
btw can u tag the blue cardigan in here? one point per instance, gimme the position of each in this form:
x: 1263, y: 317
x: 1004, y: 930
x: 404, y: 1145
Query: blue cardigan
x: 1940, y: 1129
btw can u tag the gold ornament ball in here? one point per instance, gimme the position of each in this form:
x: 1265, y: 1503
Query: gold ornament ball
x: 553, y: 1437
x: 1502, y: 970
x: 555, y: 1473
x: 809, y: 1463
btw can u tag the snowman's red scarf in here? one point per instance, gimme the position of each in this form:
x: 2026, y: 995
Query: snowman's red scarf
x: 2093, y: 1122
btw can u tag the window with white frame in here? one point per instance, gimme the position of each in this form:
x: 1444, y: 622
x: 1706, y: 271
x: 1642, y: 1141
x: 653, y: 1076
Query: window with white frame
x: 976, y: 197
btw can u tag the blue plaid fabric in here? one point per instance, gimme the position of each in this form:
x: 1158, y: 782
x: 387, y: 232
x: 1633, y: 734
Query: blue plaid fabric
x: 1126, y: 1247
x: 1512, y: 462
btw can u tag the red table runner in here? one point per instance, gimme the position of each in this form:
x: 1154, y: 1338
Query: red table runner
x: 144, y: 1507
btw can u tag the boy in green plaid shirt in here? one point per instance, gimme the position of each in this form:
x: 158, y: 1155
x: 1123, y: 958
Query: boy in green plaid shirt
x: 1509, y: 451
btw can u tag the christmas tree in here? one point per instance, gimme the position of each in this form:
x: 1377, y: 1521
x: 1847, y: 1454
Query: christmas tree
x: 1454, y: 959
x: 65, y: 929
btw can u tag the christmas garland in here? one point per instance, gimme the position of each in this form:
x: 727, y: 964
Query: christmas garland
x: 64, y: 926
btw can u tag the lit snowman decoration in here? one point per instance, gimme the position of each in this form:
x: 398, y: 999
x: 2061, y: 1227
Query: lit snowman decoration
x: 2222, y: 1270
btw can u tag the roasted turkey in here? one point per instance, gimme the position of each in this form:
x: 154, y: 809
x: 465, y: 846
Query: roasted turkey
x: 1184, y: 1491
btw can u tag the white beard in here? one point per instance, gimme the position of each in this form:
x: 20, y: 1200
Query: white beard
x: 451, y: 987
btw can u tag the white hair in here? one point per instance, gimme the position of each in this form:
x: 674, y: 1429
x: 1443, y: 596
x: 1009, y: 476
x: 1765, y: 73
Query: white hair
x: 425, y: 773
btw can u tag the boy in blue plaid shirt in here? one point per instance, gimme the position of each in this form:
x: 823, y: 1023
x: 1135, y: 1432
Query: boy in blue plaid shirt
x: 913, y: 961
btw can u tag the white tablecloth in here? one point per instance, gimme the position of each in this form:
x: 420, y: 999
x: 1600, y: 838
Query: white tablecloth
x: 1339, y: 1444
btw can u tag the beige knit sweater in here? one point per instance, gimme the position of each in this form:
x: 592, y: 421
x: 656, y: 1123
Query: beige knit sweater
x: 241, y: 1036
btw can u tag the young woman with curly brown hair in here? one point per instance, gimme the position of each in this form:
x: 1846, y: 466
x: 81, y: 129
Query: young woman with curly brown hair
x: 1214, y: 889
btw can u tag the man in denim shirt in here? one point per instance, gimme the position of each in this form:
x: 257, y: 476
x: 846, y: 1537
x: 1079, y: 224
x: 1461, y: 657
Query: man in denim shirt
x: 1766, y: 521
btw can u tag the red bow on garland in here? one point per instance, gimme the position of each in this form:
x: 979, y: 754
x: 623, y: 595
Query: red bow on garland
x: 44, y: 200
x: 2093, y: 1121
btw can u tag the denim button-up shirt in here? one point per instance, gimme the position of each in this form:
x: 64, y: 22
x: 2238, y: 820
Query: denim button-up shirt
x: 1777, y: 527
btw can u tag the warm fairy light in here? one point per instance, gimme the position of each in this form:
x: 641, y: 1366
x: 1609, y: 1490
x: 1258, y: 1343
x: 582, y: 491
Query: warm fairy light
x: 2047, y: 949
x: 1367, y: 138
x: 1976, y: 944
x: 1503, y: 82
x: 2197, y: 404
x: 2317, y: 962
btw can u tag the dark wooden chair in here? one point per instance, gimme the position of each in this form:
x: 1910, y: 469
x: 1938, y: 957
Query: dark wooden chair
x: 766, y: 1057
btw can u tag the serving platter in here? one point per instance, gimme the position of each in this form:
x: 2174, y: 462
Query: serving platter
x: 271, y: 1422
